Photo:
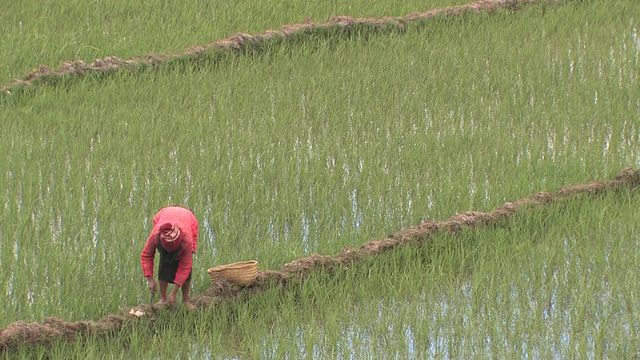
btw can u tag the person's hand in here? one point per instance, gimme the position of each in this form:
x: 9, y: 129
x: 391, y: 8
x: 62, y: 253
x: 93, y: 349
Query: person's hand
x: 152, y: 285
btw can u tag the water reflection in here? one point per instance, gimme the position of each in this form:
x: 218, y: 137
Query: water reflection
x: 545, y: 320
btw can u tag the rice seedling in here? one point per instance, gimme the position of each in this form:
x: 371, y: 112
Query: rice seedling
x: 315, y: 146
x: 36, y: 33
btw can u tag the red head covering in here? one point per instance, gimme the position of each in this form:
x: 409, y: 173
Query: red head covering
x: 170, y: 236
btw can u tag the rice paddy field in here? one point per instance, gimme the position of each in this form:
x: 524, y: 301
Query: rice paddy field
x: 320, y: 143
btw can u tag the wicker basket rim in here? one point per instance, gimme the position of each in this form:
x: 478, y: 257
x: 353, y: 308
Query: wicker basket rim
x: 250, y: 265
x: 233, y: 272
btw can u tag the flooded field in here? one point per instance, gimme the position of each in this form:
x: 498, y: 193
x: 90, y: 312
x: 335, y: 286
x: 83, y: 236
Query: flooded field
x: 327, y: 143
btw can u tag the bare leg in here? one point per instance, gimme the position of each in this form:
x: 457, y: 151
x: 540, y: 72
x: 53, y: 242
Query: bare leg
x: 185, y: 294
x: 163, y: 292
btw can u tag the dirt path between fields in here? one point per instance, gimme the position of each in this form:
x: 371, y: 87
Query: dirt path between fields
x: 243, y: 42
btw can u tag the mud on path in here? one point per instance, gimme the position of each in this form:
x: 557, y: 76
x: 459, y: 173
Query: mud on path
x: 21, y: 334
x: 242, y: 42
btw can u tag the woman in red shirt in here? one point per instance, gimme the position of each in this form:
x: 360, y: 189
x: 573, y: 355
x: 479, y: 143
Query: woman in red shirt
x: 175, y: 237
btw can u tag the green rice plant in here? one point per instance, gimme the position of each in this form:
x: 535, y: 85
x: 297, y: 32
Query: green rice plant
x: 255, y: 142
x: 503, y: 291
x: 46, y: 33
x: 310, y: 148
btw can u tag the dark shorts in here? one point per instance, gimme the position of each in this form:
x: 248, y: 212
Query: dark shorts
x: 168, y: 266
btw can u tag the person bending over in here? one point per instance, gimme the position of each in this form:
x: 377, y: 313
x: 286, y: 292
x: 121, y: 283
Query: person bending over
x: 175, y: 237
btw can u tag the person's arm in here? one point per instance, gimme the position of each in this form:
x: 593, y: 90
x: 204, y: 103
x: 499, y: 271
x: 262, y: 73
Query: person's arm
x: 194, y: 233
x: 148, y: 255
x: 184, y: 265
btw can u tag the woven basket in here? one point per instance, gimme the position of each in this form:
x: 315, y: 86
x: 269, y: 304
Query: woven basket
x: 241, y: 273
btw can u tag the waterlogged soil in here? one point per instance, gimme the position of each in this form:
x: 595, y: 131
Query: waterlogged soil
x: 21, y: 334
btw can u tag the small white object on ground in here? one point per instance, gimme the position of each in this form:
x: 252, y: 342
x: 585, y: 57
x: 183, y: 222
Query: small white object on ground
x: 136, y: 313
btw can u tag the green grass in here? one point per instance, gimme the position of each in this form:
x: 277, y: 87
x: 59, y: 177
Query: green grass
x: 317, y: 146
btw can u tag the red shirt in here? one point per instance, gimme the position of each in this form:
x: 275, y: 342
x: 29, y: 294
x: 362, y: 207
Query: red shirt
x: 188, y: 224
